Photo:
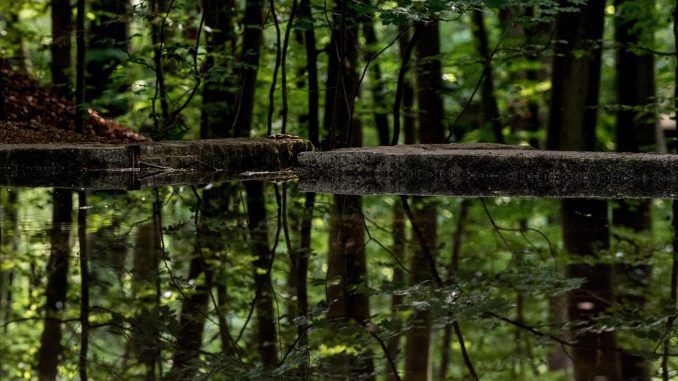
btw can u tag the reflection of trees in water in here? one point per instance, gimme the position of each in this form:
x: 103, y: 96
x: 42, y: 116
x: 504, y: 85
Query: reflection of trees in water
x: 155, y: 315
x: 57, y: 284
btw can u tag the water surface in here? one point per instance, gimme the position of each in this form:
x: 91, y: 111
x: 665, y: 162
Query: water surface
x: 258, y: 280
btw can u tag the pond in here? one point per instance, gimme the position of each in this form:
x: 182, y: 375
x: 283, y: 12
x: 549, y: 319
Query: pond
x: 259, y: 280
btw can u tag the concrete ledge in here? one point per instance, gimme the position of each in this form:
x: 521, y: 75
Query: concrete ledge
x: 101, y: 166
x: 482, y: 170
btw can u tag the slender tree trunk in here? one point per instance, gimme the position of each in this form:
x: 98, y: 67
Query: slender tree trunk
x: 158, y: 40
x: 2, y: 97
x: 489, y: 99
x: 84, y: 284
x: 347, y: 267
x: 186, y: 362
x: 576, y: 79
x: 80, y: 66
x: 266, y: 317
x: 674, y: 268
x: 108, y: 43
x: 301, y: 281
x: 451, y: 273
x: 57, y: 285
x: 429, y: 84
x: 217, y: 98
x: 409, y: 117
x: 306, y: 22
x: 417, y: 346
x: 635, y: 132
x: 342, y: 79
x: 572, y: 125
x: 213, y: 236
x: 557, y: 358
x: 429, y: 97
x: 9, y: 243
x: 145, y: 335
x: 398, y: 233
x: 62, y: 28
x: 585, y: 231
x: 376, y: 82
x: 251, y: 46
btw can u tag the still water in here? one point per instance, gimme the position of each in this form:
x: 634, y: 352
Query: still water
x: 258, y: 280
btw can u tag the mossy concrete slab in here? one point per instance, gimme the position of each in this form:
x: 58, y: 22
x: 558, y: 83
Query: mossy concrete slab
x: 482, y: 170
x: 131, y: 166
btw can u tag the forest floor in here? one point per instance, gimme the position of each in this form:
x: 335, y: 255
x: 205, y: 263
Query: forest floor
x: 36, y: 114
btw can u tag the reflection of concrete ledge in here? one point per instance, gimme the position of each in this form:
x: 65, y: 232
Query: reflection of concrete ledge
x: 100, y: 166
x: 488, y: 170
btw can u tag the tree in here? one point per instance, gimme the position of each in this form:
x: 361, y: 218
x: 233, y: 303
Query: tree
x: 249, y: 58
x: 108, y: 43
x: 266, y: 316
x: 347, y: 265
x: 157, y: 10
x: 144, y: 339
x: 430, y: 101
x: 636, y: 121
x: 378, y: 89
x: 306, y: 23
x: 57, y: 284
x: 572, y: 126
x: 488, y: 98
x: 62, y: 28
x: 80, y: 66
x: 220, y: 43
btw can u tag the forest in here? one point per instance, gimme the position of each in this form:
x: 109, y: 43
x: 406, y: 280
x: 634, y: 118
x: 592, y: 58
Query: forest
x: 260, y: 280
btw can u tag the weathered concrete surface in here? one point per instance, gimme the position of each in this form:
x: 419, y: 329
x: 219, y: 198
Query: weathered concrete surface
x: 131, y: 166
x: 482, y: 170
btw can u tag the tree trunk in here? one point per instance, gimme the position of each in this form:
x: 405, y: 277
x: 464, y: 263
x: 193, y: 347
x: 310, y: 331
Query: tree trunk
x: 635, y: 133
x: 108, y: 44
x: 194, y: 311
x: 489, y: 99
x: 347, y: 267
x: 84, y: 284
x: 2, y: 97
x: 376, y: 82
x: 158, y: 41
x: 576, y: 79
x: 398, y: 233
x: 451, y: 273
x: 418, y: 340
x: 80, y: 66
x: 306, y: 19
x: 57, y: 285
x: 586, y: 231
x: 572, y: 126
x: 429, y: 97
x: 217, y: 99
x: 145, y: 335
x: 301, y: 281
x: 429, y: 84
x: 342, y: 79
x: 62, y: 28
x: 251, y: 45
x: 409, y: 119
x: 266, y: 317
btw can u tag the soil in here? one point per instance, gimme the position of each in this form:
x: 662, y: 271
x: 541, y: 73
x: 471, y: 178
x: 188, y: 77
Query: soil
x: 37, y: 114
